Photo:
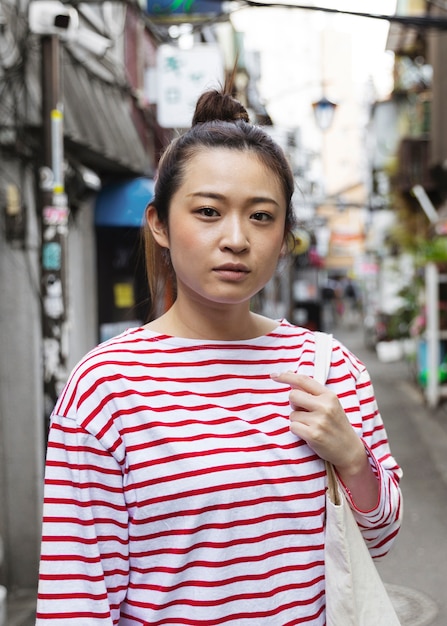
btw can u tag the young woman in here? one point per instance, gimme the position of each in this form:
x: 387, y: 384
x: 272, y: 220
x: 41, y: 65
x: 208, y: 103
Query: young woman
x: 185, y: 480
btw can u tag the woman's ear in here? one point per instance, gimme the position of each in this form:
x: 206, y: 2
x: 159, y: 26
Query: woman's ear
x: 158, y: 228
x: 287, y: 245
x: 284, y: 249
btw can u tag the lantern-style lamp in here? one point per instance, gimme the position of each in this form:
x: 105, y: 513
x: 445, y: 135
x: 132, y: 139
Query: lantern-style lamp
x: 324, y: 111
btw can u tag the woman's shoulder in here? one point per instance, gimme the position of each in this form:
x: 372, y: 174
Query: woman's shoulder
x: 101, y: 362
x: 342, y: 358
x: 287, y: 328
x: 124, y: 346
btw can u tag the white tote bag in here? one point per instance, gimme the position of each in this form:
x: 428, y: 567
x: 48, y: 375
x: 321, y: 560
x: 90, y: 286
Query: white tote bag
x: 355, y: 593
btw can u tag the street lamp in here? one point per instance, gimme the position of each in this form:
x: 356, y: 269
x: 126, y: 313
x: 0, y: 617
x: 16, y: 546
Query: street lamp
x: 324, y: 110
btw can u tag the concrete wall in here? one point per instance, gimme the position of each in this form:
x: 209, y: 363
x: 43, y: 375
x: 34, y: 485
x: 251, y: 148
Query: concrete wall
x: 437, y: 56
x: 22, y: 431
x: 21, y: 410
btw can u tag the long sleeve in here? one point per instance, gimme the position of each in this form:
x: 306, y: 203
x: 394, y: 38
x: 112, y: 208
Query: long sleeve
x: 381, y: 525
x: 84, y: 560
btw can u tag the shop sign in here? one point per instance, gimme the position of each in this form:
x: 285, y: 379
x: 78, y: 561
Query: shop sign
x: 182, y: 75
x: 160, y: 8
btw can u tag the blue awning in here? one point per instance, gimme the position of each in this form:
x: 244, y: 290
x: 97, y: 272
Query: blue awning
x: 124, y: 203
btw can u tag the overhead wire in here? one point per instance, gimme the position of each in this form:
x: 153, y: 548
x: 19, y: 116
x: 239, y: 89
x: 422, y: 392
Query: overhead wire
x: 417, y: 21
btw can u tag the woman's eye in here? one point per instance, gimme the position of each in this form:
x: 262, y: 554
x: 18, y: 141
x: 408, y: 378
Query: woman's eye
x: 262, y: 217
x: 208, y: 212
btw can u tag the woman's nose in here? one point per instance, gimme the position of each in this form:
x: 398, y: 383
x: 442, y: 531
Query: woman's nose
x: 235, y: 236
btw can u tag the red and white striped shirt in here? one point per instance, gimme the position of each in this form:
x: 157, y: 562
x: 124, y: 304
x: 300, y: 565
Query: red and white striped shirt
x: 175, y: 492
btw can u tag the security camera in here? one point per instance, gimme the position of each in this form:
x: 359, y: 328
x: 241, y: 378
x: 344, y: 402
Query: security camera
x: 51, y: 17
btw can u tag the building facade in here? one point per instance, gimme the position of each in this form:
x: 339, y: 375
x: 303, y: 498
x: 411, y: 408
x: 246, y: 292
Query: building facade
x: 109, y: 135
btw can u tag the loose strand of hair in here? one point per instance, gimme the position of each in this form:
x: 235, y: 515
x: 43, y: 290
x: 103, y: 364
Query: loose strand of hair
x: 229, y: 84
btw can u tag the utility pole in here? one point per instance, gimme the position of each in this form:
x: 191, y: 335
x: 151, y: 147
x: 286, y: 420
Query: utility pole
x: 53, y: 21
x: 53, y: 211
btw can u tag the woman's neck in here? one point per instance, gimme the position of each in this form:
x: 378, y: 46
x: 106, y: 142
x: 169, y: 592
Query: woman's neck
x: 230, y: 324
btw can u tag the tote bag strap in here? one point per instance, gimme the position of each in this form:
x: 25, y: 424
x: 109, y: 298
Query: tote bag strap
x: 322, y: 363
x: 323, y: 356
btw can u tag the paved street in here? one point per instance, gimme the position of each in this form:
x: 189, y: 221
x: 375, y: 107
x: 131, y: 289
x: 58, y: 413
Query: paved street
x: 416, y: 569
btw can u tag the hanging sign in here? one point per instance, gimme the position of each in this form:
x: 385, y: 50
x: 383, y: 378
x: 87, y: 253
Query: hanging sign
x: 182, y: 75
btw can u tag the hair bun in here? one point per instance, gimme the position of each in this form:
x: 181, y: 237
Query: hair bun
x: 215, y: 105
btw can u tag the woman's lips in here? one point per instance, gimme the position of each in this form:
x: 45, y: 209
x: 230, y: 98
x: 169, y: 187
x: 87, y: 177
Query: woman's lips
x: 232, y: 272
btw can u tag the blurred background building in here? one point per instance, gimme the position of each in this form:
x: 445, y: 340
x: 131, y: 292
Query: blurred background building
x: 91, y: 92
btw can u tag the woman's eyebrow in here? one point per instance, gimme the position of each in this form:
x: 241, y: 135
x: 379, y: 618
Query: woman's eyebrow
x: 207, y: 194
x: 218, y: 196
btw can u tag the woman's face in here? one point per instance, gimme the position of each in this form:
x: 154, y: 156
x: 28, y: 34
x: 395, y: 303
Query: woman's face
x: 226, y: 227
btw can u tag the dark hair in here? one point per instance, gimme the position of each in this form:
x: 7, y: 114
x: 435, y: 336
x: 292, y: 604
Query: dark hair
x: 219, y: 121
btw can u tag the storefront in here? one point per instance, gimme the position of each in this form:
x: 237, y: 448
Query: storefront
x: 123, y: 297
